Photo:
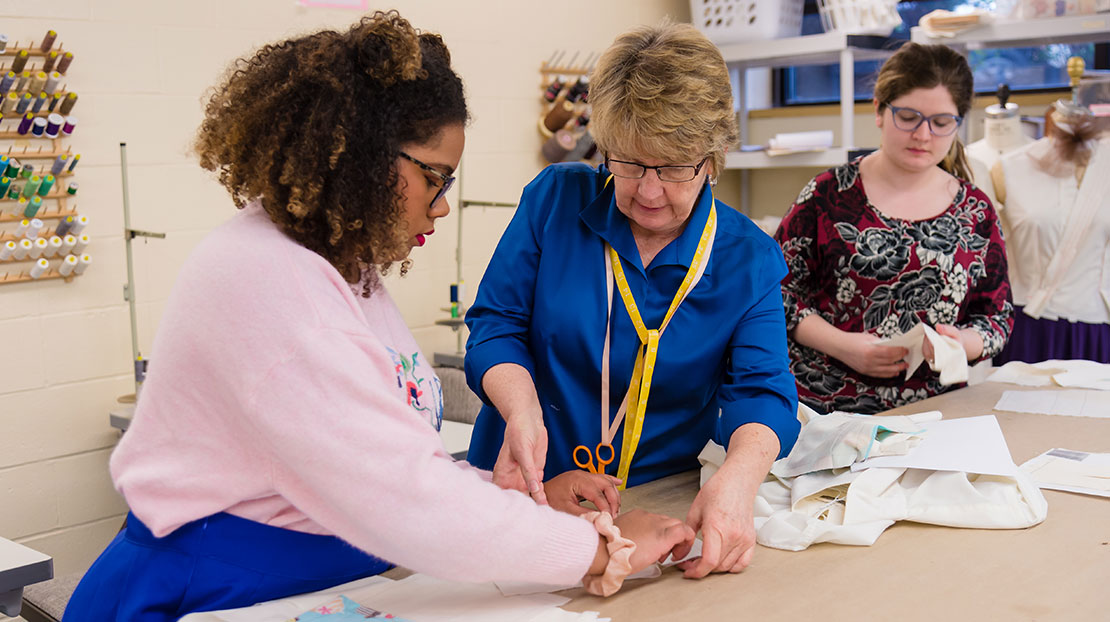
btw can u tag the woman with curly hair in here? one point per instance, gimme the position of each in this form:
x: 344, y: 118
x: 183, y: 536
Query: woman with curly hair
x: 286, y: 438
x: 893, y: 239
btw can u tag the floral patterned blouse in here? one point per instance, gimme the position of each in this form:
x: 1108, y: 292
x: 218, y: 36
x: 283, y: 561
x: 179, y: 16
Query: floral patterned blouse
x: 863, y: 271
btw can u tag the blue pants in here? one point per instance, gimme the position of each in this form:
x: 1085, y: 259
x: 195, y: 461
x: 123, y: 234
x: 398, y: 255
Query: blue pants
x: 219, y: 562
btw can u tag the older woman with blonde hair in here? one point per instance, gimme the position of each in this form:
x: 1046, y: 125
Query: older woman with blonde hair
x: 627, y: 317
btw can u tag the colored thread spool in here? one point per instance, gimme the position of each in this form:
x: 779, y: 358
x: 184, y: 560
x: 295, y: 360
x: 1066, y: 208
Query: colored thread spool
x: 69, y: 125
x: 6, y: 82
x: 48, y: 62
x: 54, y: 99
x: 67, y: 266
x: 68, y: 242
x: 40, y: 247
x: 63, y: 64
x: 20, y: 61
x: 63, y: 228
x: 22, y: 248
x: 25, y: 123
x: 33, y: 206
x: 557, y: 147
x: 27, y: 171
x: 5, y: 182
x: 52, y: 82
x: 59, y: 163
x: 24, y: 103
x: 71, y: 188
x: 67, y: 103
x: 23, y: 78
x: 79, y: 246
x: 79, y: 224
x: 48, y: 41
x: 82, y: 264
x: 55, y: 246
x: 552, y: 91
x: 32, y: 186
x: 10, y: 101
x: 54, y: 124
x: 38, y: 79
x: 7, y: 250
x: 13, y: 168
x: 3, y: 42
x: 47, y: 184
x: 558, y: 116
x: 40, y: 101
x: 33, y: 228
x: 584, y: 149
x: 40, y: 268
x: 14, y: 190
x: 73, y: 162
x: 38, y: 127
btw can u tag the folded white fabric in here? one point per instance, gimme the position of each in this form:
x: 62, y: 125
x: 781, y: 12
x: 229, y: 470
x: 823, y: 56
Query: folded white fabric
x: 1072, y: 373
x: 838, y: 439
x: 802, y: 140
x: 949, y: 357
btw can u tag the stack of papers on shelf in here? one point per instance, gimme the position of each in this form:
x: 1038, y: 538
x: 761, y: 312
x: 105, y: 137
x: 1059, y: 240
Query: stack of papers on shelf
x: 795, y: 142
x: 1071, y: 471
x: 941, y: 23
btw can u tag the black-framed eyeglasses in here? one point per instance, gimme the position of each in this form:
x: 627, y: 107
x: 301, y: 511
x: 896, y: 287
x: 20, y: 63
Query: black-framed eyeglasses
x: 671, y: 173
x: 447, y: 180
x: 908, y: 120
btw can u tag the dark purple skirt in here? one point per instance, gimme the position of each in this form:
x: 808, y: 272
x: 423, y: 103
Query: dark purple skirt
x: 1036, y: 340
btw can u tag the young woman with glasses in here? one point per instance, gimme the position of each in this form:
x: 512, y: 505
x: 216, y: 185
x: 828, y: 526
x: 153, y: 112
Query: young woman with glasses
x: 627, y: 317
x: 893, y: 239
x: 286, y: 437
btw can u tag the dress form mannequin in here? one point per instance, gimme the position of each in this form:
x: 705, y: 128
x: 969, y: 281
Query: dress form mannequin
x: 1002, y: 133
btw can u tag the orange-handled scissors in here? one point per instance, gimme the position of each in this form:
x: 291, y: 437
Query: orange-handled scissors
x: 589, y: 464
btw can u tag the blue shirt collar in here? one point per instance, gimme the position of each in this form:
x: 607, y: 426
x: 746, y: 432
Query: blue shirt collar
x: 603, y: 218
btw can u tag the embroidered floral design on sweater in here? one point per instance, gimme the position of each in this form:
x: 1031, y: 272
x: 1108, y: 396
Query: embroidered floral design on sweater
x: 422, y: 388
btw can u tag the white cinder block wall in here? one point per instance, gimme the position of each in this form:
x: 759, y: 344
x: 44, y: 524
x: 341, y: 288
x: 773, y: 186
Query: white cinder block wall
x: 140, y: 69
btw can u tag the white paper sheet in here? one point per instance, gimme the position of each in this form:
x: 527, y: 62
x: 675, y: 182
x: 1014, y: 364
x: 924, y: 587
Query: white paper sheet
x: 972, y: 445
x: 1071, y: 471
x: 1070, y: 403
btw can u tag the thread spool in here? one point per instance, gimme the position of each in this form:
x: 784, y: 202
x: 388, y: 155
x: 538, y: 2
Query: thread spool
x: 68, y: 242
x: 40, y: 268
x: 3, y: 43
x: 55, y: 99
x: 79, y: 224
x: 73, y: 162
x: 22, y: 249
x: 32, y: 186
x: 48, y: 41
x: 38, y: 127
x: 23, y: 77
x: 24, y: 103
x: 52, y: 82
x: 82, y: 264
x: 25, y: 123
x: 558, y: 116
x: 55, y: 246
x: 67, y: 265
x: 40, y: 247
x: 67, y: 103
x: 63, y: 228
x: 552, y: 91
x: 10, y: 101
x: 47, y: 184
x: 13, y: 168
x: 584, y: 149
x: 80, y: 244
x: 21, y: 228
x: 21, y: 204
x: 27, y: 171
x: 71, y: 188
x: 557, y: 147
x: 6, y: 82
x: 69, y: 125
x: 7, y: 250
x: 33, y: 206
x: 63, y: 63
x: 59, y: 164
x: 48, y: 62
x: 14, y: 190
x: 20, y: 61
x: 5, y: 182
x: 38, y: 79
x: 54, y: 124
x: 33, y: 228
x: 40, y: 101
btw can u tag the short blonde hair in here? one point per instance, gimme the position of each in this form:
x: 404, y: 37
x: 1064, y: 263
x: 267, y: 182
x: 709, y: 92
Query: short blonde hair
x: 663, y: 90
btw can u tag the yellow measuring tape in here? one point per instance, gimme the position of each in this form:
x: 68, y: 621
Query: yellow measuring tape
x: 639, y: 387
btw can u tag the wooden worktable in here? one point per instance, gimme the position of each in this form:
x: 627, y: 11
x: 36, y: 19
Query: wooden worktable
x: 1058, y: 570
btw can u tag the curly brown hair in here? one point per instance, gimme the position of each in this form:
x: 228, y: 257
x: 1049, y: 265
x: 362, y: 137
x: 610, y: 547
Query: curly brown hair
x: 312, y: 127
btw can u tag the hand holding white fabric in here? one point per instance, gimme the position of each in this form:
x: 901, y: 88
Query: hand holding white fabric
x: 949, y: 356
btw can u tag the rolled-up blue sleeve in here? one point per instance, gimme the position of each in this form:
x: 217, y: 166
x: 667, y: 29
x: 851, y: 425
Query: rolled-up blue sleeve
x: 758, y: 386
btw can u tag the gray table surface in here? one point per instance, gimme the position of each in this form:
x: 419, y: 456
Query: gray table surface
x: 20, y: 566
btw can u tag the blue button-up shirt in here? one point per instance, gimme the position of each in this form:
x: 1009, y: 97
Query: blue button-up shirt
x: 722, y: 361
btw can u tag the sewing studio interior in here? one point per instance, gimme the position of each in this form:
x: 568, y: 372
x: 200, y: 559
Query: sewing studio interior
x: 527, y: 311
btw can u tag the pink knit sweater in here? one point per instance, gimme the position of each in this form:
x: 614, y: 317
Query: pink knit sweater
x: 277, y: 394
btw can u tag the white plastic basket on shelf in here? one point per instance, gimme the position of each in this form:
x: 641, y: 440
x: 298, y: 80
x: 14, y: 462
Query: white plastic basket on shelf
x: 732, y: 21
x: 862, y: 17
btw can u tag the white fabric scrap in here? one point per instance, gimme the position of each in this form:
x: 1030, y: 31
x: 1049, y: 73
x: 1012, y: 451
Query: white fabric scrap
x: 1070, y: 373
x: 949, y: 357
x: 838, y: 439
